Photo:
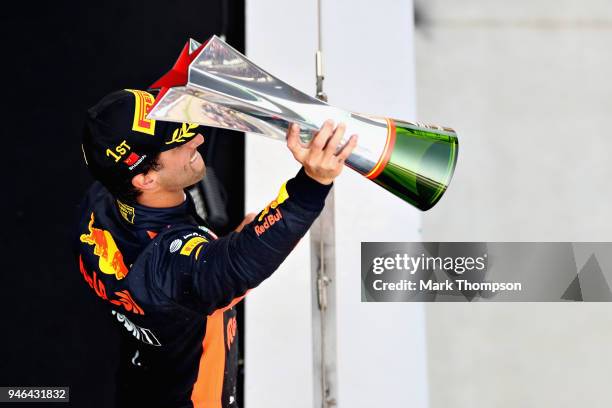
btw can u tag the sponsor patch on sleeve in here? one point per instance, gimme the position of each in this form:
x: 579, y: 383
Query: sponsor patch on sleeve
x: 191, y: 244
x: 271, y: 214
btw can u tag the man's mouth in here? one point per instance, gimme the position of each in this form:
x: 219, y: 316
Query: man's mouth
x: 193, y: 157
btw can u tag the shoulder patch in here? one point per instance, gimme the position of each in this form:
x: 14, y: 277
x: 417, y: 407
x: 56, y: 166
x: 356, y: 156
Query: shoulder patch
x: 191, y: 244
x: 209, y: 232
x: 175, y: 245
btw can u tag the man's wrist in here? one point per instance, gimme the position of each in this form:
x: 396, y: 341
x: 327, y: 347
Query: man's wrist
x: 307, y: 191
x: 324, y: 181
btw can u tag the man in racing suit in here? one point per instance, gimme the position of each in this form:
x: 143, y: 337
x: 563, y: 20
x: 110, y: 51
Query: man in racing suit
x: 170, y: 283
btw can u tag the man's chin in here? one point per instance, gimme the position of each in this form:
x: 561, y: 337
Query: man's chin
x: 198, y: 178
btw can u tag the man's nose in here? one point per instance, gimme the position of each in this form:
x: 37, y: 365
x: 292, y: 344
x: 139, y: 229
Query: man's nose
x: 196, y: 141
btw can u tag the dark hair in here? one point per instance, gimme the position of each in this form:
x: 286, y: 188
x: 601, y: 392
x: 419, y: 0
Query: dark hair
x: 124, y: 190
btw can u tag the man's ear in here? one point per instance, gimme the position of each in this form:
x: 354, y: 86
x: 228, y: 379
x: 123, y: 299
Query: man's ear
x: 145, y: 182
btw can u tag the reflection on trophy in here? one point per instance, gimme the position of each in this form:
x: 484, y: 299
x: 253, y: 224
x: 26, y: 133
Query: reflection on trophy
x: 214, y: 85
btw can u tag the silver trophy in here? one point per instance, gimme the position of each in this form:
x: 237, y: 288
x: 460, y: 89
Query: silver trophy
x: 212, y: 84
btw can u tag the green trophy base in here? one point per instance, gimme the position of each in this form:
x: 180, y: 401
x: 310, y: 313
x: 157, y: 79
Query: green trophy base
x: 421, y: 163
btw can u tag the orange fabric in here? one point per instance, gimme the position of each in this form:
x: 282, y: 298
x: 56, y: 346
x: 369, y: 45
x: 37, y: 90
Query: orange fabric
x: 386, y: 154
x: 151, y: 234
x: 208, y: 387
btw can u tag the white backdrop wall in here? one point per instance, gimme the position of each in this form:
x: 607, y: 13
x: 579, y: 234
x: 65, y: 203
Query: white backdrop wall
x: 369, y: 65
x: 278, y: 350
x: 530, y: 98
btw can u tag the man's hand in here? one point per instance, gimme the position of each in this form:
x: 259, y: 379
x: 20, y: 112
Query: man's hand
x: 247, y: 220
x: 320, y: 160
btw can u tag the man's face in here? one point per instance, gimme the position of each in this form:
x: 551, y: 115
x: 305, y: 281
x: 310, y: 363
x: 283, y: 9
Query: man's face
x: 182, y: 166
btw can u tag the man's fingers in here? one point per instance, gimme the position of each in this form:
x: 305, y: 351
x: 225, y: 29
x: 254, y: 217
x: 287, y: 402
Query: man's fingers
x: 320, y: 140
x: 293, y: 142
x: 347, y: 149
x: 332, y: 145
x: 320, y: 159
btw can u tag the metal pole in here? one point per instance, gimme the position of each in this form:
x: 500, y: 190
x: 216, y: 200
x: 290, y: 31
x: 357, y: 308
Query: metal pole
x: 323, y: 245
x: 319, y: 55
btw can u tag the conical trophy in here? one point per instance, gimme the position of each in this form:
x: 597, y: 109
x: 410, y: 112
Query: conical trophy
x: 212, y: 84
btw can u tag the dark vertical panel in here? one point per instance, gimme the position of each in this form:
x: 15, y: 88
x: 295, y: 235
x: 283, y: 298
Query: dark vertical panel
x: 58, y: 59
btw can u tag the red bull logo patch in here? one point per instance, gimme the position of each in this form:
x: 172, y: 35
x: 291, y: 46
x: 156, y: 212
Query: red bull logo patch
x: 123, y: 297
x: 270, y: 218
x: 110, y: 258
x: 280, y: 198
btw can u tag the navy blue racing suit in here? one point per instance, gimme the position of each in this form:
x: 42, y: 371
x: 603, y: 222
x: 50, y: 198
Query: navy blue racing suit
x: 172, y: 285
